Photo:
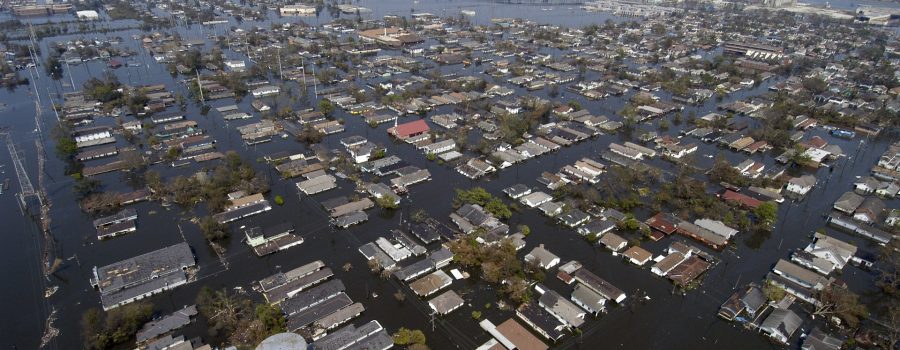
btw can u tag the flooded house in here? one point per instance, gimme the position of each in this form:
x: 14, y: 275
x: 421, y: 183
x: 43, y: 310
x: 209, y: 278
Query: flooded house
x: 270, y: 239
x: 147, y: 274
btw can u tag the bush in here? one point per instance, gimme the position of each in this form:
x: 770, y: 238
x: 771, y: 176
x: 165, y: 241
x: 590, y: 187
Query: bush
x: 279, y: 200
x: 476, y: 314
x: 387, y: 202
x: 213, y: 230
x: 406, y: 336
x: 104, y: 330
x: 524, y: 229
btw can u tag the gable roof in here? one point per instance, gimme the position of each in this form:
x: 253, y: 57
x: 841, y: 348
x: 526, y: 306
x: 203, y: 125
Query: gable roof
x: 411, y: 128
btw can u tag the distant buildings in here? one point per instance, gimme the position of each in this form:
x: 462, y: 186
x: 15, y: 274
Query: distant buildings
x: 297, y: 10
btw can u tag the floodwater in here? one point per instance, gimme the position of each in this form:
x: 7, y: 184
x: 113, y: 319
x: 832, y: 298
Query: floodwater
x: 665, y: 321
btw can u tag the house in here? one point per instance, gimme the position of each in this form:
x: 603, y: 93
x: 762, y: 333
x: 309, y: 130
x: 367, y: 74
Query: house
x: 446, y: 302
x: 598, y: 285
x: 472, y: 216
x: 799, y: 275
x: 542, y: 257
x: 749, y: 302
x: 664, y: 266
x: 541, y: 321
x: 740, y: 199
x: 267, y: 90
x: 716, y: 227
x: 893, y: 218
x: 555, y: 304
x: 866, y: 185
x: 439, y: 147
x: 588, y: 299
x: 888, y: 189
x: 637, y: 255
x: 869, y: 211
x: 613, y: 242
x: 535, y: 199
x: 701, y: 234
x: 517, y: 191
x: 819, y: 340
x: 686, y: 272
x: 597, y: 227
x: 147, y: 274
x: 574, y: 218
x: 781, y: 325
x: 271, y: 239
x: 800, y: 186
x: 663, y: 222
x: 848, y: 202
x: 520, y: 337
x: 411, y: 129
x: 236, y: 65
x: 431, y: 283
x: 826, y: 254
x: 297, y: 10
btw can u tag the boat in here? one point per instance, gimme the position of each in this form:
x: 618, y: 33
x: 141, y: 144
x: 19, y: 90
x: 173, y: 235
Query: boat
x: 50, y: 291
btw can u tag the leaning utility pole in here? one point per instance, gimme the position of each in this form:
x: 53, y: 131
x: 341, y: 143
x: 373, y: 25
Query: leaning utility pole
x: 71, y: 81
x: 200, y: 87
x: 280, y: 74
x: 315, y: 82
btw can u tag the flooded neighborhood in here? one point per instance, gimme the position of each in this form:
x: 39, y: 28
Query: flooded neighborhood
x: 467, y: 174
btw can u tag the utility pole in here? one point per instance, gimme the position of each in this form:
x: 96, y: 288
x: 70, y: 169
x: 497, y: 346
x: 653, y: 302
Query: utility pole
x: 32, y: 50
x: 315, y: 82
x: 71, y: 81
x: 34, y: 85
x: 200, y: 87
x: 280, y: 74
x: 49, y: 96
x: 34, y: 60
x: 303, y: 65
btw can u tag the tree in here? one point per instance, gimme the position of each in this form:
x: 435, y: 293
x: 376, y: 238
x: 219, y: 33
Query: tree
x: 400, y: 296
x: 476, y: 315
x: 213, y: 230
x: 53, y: 67
x: 222, y: 310
x: 773, y: 292
x: 271, y: 318
x: 524, y: 229
x: 279, y: 200
x: 499, y: 209
x: 766, y: 213
x: 664, y: 125
x: 406, y: 336
x: 891, y: 323
x: 84, y: 187
x: 326, y: 107
x: 842, y: 303
x: 815, y: 85
x: 101, y: 330
x: 890, y: 273
x: 387, y: 202
x: 310, y: 136
x: 483, y: 198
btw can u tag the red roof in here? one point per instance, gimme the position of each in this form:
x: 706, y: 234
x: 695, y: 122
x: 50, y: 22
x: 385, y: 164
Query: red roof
x: 817, y: 142
x: 742, y: 199
x: 662, y: 222
x: 412, y: 128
